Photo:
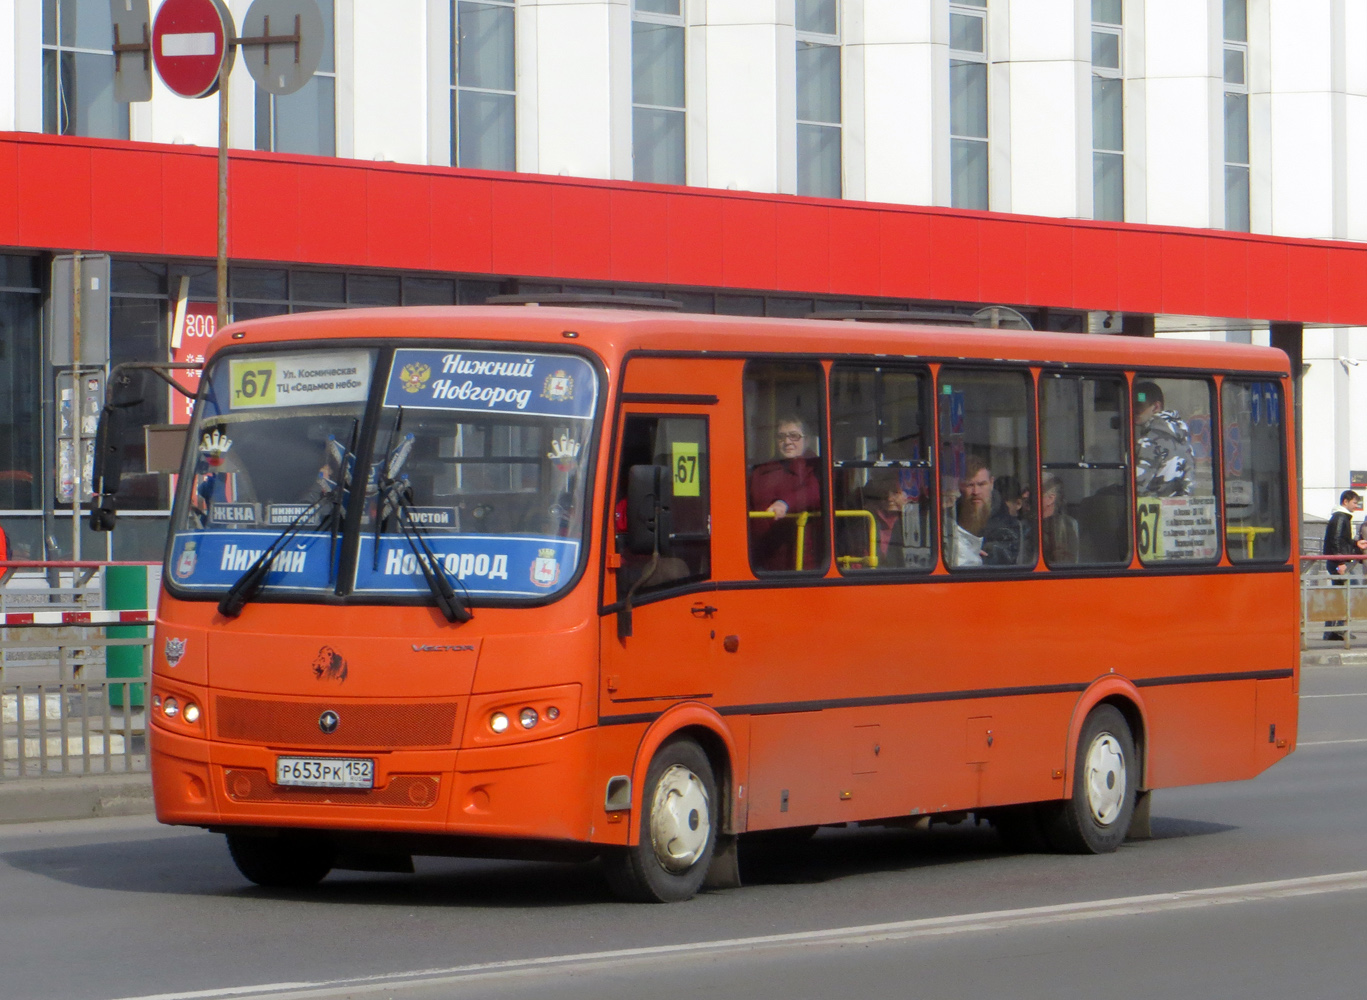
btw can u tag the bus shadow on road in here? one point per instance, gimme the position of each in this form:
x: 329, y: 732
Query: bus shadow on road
x: 200, y: 866
x: 797, y: 857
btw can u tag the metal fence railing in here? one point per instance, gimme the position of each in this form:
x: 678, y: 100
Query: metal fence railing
x: 74, y: 667
x: 1333, y: 605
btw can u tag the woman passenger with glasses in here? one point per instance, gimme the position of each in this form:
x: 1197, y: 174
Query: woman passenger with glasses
x: 780, y: 491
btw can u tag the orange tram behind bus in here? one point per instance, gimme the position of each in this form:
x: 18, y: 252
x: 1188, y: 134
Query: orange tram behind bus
x: 563, y: 583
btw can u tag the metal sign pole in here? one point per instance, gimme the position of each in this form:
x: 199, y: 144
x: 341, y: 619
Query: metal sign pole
x: 75, y: 406
x: 222, y: 204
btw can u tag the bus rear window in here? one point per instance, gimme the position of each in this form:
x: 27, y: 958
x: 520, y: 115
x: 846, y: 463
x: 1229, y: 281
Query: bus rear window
x: 1255, y: 471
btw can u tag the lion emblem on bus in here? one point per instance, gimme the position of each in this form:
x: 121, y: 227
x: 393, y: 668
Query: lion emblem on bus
x: 414, y: 376
x: 329, y: 665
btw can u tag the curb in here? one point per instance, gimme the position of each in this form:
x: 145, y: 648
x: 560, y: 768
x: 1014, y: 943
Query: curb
x: 32, y: 800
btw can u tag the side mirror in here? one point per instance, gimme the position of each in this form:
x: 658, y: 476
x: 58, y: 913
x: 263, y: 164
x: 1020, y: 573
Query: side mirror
x: 108, y: 466
x: 650, y: 496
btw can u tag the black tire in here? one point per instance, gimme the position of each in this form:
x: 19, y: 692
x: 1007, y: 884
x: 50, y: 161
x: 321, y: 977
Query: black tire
x: 1096, y: 818
x: 678, y: 829
x: 287, y: 861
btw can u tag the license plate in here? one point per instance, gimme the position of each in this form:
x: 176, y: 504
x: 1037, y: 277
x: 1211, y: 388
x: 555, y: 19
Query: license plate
x: 325, y: 772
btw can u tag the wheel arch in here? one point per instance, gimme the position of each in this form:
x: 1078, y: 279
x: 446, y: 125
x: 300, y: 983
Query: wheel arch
x: 1124, y: 696
x: 705, y: 727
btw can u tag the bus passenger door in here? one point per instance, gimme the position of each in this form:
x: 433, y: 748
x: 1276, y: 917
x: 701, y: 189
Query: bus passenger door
x: 668, y: 655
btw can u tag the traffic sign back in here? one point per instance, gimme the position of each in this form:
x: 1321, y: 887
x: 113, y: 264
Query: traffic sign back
x: 282, y: 67
x: 192, y: 45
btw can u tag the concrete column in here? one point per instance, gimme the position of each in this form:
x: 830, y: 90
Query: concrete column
x: 389, y: 58
x: 906, y: 102
x: 583, y: 87
x: 1300, y: 119
x: 1049, y: 153
x: 1290, y: 337
x: 1184, y: 112
x: 751, y: 95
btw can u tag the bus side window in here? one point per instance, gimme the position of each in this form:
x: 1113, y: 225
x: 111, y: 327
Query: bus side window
x: 881, y: 450
x: 1174, y: 475
x: 1255, y: 471
x: 786, y: 490
x: 1084, y: 496
x: 985, y: 431
x: 680, y: 444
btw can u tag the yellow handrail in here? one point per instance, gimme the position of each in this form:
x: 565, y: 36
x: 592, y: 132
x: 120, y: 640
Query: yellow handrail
x: 1250, y: 534
x: 802, y: 520
x: 871, y: 560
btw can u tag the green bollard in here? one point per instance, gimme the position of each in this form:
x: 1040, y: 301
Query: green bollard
x: 125, y: 589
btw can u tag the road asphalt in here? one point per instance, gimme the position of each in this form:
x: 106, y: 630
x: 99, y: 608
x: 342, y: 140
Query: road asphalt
x: 35, y: 800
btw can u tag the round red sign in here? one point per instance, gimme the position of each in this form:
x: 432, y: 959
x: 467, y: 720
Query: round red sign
x: 190, y: 45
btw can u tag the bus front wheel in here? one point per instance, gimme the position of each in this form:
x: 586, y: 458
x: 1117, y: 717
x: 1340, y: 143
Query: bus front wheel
x: 1096, y: 818
x: 286, y: 861
x: 677, y: 829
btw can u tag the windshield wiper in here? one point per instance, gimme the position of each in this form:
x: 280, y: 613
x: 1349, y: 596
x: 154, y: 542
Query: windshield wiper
x: 392, y: 497
x: 394, y: 494
x: 254, y: 577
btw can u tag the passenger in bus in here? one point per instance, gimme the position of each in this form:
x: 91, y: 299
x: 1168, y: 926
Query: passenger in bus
x: 1162, y: 446
x: 982, y: 521
x: 1057, y: 529
x: 785, y: 487
x: 1016, y: 498
x: 885, y: 499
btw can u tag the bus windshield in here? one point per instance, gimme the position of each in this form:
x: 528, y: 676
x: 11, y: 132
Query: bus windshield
x: 474, y: 470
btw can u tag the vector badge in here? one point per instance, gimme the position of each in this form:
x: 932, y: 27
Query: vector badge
x: 175, y: 651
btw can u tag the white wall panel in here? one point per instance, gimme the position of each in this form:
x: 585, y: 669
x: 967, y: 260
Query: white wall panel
x: 747, y: 116
x: 574, y: 88
x: 906, y: 100
x: 390, y: 84
x: 27, y: 18
x: 1183, y: 113
x: 9, y: 75
x: 1050, y: 120
x: 1302, y: 174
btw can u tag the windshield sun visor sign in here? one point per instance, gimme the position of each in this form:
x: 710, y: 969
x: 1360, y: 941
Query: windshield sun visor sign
x: 546, y: 385
x: 298, y: 379
x: 492, y: 565
x: 214, y: 560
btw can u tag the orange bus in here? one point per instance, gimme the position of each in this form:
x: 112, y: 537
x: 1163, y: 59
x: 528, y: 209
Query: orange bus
x: 568, y: 583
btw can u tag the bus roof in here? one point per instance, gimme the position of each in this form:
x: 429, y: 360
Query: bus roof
x: 614, y: 332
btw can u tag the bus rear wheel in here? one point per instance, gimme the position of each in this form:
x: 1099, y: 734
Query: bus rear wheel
x: 287, y: 861
x: 1096, y: 818
x: 677, y: 829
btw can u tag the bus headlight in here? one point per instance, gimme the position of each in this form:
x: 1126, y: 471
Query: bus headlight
x: 170, y: 707
x: 191, y: 712
x: 528, y: 718
x: 498, y: 722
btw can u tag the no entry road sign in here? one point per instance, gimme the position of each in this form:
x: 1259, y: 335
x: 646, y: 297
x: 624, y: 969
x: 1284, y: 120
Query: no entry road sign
x: 191, y: 45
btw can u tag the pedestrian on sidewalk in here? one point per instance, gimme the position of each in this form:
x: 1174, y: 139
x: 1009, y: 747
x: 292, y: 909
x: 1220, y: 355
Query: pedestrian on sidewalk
x: 1339, y: 541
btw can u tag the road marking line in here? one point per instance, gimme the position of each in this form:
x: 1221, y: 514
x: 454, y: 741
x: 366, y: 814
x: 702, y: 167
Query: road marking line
x: 1325, y: 743
x: 902, y: 930
x: 1346, y: 694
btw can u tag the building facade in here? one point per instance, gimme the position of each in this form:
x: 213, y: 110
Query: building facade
x: 1218, y: 117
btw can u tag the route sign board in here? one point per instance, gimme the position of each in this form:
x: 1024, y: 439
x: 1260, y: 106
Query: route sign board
x: 192, y: 45
x: 283, y: 43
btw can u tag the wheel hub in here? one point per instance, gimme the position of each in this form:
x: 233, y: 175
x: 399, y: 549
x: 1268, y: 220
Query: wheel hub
x: 1104, y: 774
x: 680, y: 819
